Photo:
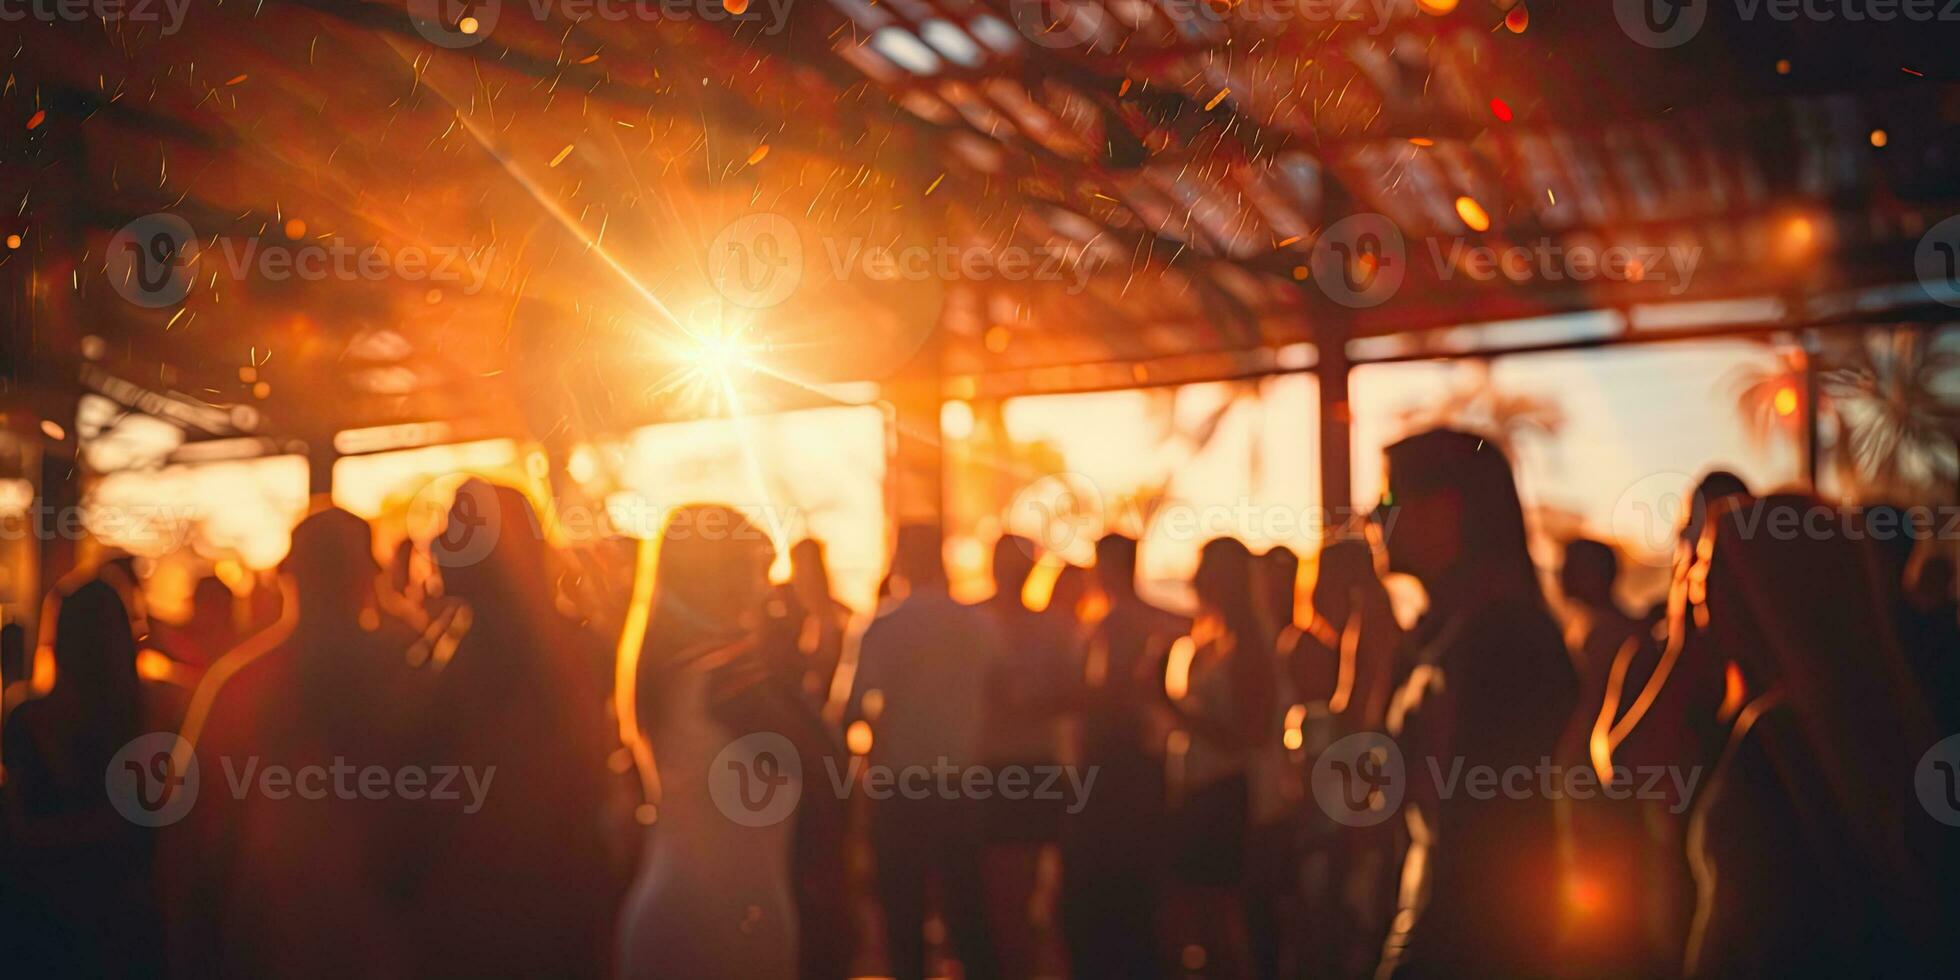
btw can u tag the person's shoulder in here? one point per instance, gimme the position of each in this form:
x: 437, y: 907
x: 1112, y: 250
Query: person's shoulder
x: 24, y: 719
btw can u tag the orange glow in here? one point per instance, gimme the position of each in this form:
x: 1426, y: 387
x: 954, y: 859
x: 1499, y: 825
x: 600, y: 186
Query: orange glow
x: 858, y: 738
x: 295, y: 228
x: 956, y: 419
x: 1177, y: 671
x: 34, y: 120
x: 1040, y: 586
x: 1734, y: 693
x: 1585, y: 896
x: 1472, y: 214
x: 1436, y: 8
x: 53, y: 430
x: 1518, y: 19
x: 1782, y: 66
x: 1292, y: 734
x: 1501, y: 109
x: 1879, y: 138
x: 467, y: 25
x: 738, y: 8
x: 13, y: 241
x: 626, y: 672
x: 1785, y: 401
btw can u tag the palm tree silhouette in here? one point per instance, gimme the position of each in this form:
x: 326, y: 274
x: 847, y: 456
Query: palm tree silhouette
x: 1892, y: 397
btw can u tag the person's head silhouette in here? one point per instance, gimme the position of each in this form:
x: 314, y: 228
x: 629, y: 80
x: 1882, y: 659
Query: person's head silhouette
x: 1458, y: 522
x: 1278, y: 574
x: 713, y: 567
x: 332, y: 566
x: 917, y: 557
x: 492, y: 548
x: 1116, y: 565
x: 1013, y: 564
x: 1347, y: 571
x: 1588, y: 573
x: 1714, y: 487
x: 1223, y: 581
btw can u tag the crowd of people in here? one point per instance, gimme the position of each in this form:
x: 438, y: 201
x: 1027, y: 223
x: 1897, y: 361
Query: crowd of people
x: 588, y: 715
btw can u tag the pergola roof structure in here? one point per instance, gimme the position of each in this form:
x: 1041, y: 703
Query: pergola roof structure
x: 1178, y: 162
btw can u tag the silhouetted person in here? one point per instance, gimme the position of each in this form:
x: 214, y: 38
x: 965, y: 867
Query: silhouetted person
x: 1920, y: 580
x: 1492, y: 687
x: 1355, y: 621
x: 1278, y: 574
x: 1609, y: 839
x: 1068, y: 601
x: 822, y: 620
x: 1344, y: 667
x: 274, y: 883
x: 1663, y: 706
x: 209, y: 632
x: 13, y: 654
x: 1028, y: 693
x: 1598, y: 626
x: 1273, y: 847
x: 1227, y: 708
x: 924, y: 668
x: 1804, y: 838
x: 1111, y: 865
x: 1931, y: 637
x: 523, y: 692
x: 76, y: 892
x: 727, y: 886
